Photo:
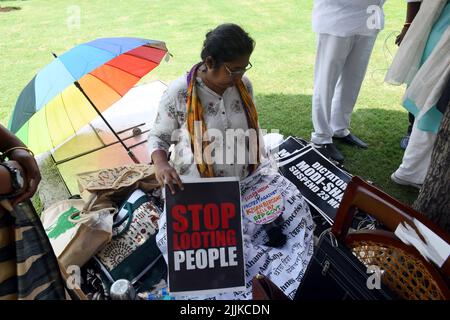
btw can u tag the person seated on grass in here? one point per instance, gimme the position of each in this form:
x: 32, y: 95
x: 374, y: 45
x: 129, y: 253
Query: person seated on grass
x: 216, y: 99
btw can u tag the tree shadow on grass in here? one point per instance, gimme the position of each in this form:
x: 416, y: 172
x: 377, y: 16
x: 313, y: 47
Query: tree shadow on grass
x: 382, y: 129
x: 8, y: 9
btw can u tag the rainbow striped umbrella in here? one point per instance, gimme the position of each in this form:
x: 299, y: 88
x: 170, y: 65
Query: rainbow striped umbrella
x: 78, y: 86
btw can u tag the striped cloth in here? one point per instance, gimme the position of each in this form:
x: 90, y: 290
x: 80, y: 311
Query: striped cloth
x: 195, y: 114
x: 28, y: 267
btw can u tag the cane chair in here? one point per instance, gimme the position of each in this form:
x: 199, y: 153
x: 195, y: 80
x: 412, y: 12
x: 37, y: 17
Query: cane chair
x: 404, y: 270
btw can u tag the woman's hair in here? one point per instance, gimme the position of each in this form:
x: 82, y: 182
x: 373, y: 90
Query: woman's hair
x: 226, y: 43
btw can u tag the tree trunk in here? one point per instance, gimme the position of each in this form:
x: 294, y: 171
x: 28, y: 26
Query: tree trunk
x: 434, y: 196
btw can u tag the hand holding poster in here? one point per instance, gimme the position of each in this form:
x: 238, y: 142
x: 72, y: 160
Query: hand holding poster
x: 204, y: 236
x: 319, y: 180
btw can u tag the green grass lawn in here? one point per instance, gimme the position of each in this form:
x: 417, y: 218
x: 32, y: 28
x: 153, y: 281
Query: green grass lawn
x: 283, y: 61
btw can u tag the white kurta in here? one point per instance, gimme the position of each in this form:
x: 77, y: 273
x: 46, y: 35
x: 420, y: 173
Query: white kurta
x: 220, y: 114
x: 345, y: 18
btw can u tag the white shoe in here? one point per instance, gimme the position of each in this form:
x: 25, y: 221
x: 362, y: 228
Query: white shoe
x: 402, y: 182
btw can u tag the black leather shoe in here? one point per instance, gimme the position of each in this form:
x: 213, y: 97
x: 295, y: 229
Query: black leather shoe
x: 329, y: 150
x: 353, y: 140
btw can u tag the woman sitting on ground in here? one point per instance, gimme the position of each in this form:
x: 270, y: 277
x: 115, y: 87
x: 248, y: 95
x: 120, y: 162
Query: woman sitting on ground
x: 216, y: 95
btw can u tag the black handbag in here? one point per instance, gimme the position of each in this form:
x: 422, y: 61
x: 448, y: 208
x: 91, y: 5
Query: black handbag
x: 334, y: 273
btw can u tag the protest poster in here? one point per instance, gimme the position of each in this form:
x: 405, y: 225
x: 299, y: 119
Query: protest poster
x: 204, y: 237
x: 262, y: 196
x: 289, y: 146
x: 302, y: 141
x: 285, y: 159
x: 321, y: 182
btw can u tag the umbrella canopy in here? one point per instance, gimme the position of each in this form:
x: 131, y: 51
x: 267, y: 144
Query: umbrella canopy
x: 51, y: 108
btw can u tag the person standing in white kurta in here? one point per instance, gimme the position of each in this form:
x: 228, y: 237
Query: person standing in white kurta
x: 346, y: 32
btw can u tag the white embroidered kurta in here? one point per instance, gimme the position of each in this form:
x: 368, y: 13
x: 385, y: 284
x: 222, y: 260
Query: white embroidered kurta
x: 220, y: 113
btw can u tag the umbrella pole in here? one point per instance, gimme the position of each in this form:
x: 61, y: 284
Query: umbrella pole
x: 93, y: 129
x: 130, y: 153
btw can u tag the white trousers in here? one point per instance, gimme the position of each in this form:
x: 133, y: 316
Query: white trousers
x: 341, y: 64
x: 417, y: 157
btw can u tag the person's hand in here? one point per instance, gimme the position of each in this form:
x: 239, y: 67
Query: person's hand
x: 10, y: 189
x: 402, y: 34
x: 166, y: 174
x: 30, y: 171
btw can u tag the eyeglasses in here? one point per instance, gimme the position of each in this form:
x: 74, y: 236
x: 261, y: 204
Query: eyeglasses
x: 237, y: 73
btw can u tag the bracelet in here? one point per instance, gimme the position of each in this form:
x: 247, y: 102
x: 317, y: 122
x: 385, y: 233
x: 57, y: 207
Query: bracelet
x: 16, y: 148
x: 10, y: 196
x: 19, y: 148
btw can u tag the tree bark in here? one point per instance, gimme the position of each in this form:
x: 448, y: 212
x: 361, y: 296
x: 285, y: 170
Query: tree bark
x: 434, y: 196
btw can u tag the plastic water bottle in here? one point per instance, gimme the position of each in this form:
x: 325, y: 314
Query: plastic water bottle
x: 162, y: 294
